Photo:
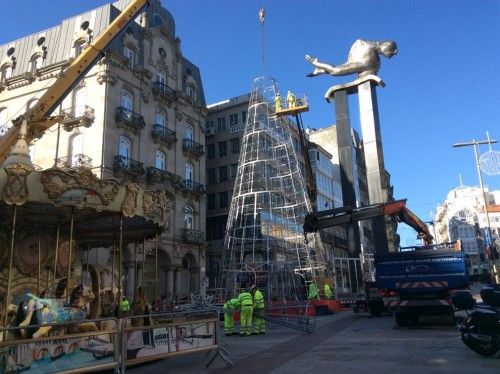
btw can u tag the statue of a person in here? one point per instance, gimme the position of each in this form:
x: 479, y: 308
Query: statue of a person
x: 363, y: 59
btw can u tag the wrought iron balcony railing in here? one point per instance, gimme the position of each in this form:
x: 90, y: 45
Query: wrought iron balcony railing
x: 74, y: 161
x: 190, y: 186
x: 192, y: 147
x: 77, y: 116
x: 164, y: 134
x: 162, y: 90
x: 126, y: 118
x: 126, y: 164
x: 155, y: 175
x: 193, y: 236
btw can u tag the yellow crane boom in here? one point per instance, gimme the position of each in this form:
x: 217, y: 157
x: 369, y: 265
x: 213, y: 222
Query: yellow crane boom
x: 37, y: 117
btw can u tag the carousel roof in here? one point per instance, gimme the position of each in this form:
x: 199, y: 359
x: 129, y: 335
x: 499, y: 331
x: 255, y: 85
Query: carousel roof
x: 49, y: 198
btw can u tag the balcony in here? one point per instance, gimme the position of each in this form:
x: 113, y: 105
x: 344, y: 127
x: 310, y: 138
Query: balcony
x: 164, y: 135
x: 73, y: 162
x: 129, y: 120
x: 77, y: 116
x: 155, y: 175
x: 193, y: 236
x: 190, y: 147
x: 164, y: 93
x: 128, y: 166
x: 191, y: 187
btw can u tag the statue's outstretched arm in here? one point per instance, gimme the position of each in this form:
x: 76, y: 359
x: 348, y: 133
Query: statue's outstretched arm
x: 343, y: 69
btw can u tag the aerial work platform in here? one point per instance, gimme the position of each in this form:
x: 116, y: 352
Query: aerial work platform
x: 301, y: 105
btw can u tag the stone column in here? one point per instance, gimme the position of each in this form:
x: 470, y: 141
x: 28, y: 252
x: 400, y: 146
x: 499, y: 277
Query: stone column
x: 178, y: 271
x: 374, y: 157
x: 170, y: 281
x: 344, y: 143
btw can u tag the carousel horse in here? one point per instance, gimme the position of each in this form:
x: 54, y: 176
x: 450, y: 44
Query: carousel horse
x: 38, y: 311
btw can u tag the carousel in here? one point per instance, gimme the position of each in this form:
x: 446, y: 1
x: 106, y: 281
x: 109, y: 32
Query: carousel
x: 51, y: 222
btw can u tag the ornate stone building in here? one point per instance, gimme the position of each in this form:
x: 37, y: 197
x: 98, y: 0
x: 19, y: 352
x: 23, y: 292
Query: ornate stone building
x: 137, y: 116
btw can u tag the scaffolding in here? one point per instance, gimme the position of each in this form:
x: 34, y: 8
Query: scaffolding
x: 264, y: 242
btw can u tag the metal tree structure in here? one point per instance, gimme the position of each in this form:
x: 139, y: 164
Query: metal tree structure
x: 264, y: 242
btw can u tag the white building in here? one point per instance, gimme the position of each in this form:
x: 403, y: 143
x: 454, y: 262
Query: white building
x: 462, y: 216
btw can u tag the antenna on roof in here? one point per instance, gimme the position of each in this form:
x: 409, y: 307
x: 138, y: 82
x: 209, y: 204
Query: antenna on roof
x: 262, y: 18
x: 460, y: 179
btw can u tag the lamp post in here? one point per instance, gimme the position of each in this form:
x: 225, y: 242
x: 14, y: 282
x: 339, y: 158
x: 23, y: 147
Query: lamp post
x: 475, y: 143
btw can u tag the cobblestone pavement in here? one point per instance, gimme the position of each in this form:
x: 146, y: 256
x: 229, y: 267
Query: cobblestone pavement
x: 341, y: 343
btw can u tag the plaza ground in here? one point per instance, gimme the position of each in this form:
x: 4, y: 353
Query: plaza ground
x: 342, y: 343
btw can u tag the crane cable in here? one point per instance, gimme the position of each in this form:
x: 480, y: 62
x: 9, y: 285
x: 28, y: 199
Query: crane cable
x: 262, y: 19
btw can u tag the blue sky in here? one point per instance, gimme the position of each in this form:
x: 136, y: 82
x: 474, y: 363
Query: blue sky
x: 441, y: 88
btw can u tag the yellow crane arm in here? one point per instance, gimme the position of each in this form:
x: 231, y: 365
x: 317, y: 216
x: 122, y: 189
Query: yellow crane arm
x: 36, y: 117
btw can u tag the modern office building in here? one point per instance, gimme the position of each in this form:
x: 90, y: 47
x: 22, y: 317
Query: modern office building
x: 137, y: 116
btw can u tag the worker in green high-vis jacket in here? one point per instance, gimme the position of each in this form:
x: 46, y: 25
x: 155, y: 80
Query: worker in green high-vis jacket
x: 312, y: 292
x: 230, y: 307
x: 245, y: 300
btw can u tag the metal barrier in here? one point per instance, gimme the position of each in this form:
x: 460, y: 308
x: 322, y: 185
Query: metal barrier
x: 68, y: 352
x: 157, y: 336
x: 295, y: 316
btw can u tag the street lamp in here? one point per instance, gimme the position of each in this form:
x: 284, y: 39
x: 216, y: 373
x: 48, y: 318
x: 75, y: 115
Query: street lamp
x: 475, y: 143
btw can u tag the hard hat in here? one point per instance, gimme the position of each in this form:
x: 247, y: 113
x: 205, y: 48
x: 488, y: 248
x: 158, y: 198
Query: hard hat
x: 277, y: 93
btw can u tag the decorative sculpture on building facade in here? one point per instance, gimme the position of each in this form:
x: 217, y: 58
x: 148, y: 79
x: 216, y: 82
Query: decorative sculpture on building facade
x: 363, y: 59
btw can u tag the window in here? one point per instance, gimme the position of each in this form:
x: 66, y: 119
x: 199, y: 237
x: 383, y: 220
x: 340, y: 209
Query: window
x: 161, y: 118
x: 124, y: 147
x: 190, y: 92
x: 76, y: 148
x: 160, y: 160
x: 188, y: 172
x: 160, y: 76
x: 222, y: 173
x: 129, y: 54
x: 3, y: 121
x: 211, y: 201
x: 233, y: 119
x: 211, y: 175
x: 222, y: 146
x: 223, y: 199
x: 189, y: 132
x: 221, y: 124
x: 235, y: 145
x: 243, y: 116
x: 188, y: 217
x: 5, y: 72
x: 233, y: 169
x: 79, y: 102
x: 210, y: 151
x: 126, y: 100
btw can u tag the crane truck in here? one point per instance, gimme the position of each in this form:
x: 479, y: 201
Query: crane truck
x: 413, y: 282
x: 38, y: 119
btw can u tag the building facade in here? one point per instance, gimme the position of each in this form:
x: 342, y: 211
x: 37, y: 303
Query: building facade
x: 137, y: 116
x: 462, y: 217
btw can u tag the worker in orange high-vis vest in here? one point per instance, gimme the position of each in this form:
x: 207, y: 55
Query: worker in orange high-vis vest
x: 246, y: 304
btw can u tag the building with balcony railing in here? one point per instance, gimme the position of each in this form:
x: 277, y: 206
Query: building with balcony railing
x: 129, y: 120
x: 163, y: 135
x: 146, y: 95
x: 75, y: 117
x: 193, y: 148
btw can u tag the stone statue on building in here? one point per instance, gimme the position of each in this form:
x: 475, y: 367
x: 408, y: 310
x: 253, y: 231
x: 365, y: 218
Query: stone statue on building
x: 363, y: 59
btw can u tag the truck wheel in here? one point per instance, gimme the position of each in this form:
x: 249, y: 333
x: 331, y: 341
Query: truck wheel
x: 402, y: 319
